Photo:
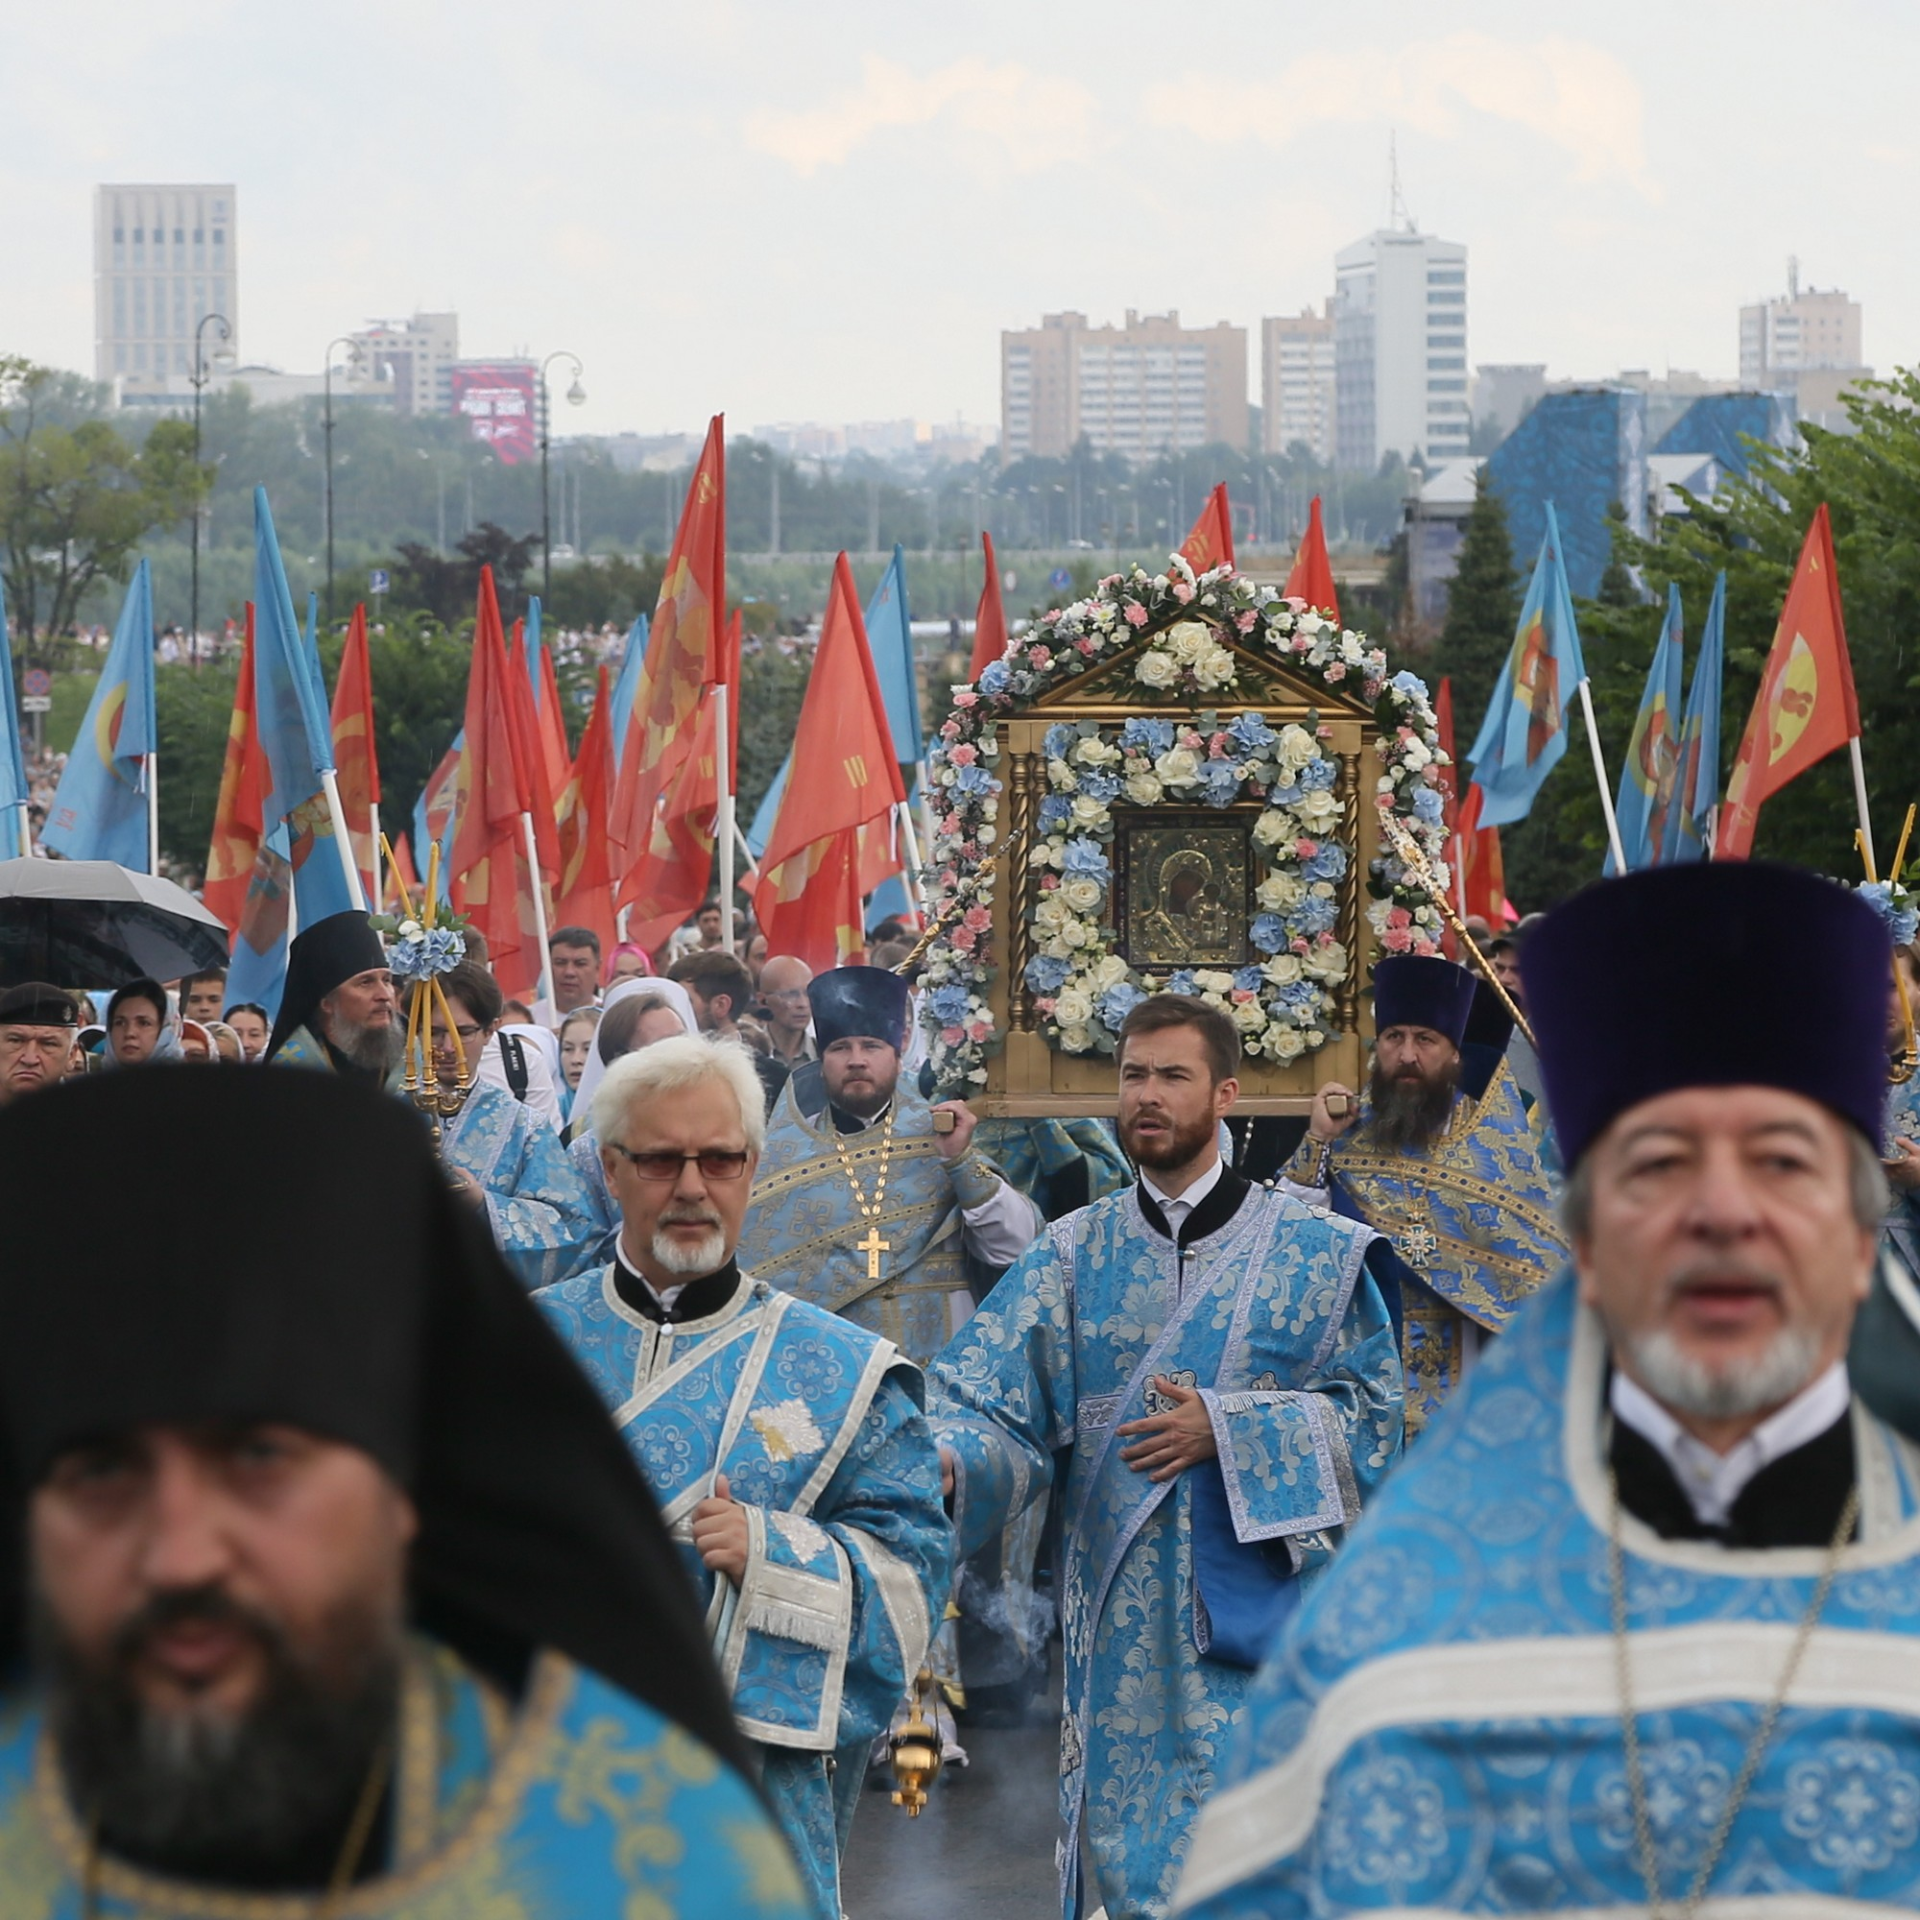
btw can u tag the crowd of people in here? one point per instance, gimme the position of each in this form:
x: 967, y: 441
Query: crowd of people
x: 1492, y: 1489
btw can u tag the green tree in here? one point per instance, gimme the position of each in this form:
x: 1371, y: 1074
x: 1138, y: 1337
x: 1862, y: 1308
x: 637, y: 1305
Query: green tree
x: 1483, y: 608
x: 76, y: 499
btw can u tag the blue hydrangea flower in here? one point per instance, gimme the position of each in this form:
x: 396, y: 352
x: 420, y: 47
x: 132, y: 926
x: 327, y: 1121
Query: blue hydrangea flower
x: 1428, y: 806
x: 972, y: 782
x: 1300, y: 996
x: 1103, y: 787
x: 1287, y: 796
x: 1154, y: 736
x: 1901, y: 923
x: 1250, y: 733
x: 1218, y: 786
x: 1328, y: 864
x: 1084, y: 856
x: 949, y: 1004
x: 1055, y: 810
x: 1248, y: 980
x: 1408, y: 683
x: 1182, y: 981
x: 1116, y: 1003
x: 1060, y: 741
x: 1317, y: 776
x: 1314, y: 915
x: 1045, y: 974
x: 994, y: 677
x: 1268, y: 932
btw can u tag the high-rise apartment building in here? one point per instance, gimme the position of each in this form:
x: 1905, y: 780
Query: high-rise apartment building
x: 411, y: 360
x: 1151, y: 386
x: 1297, y: 384
x: 1400, y: 348
x: 1807, y: 344
x: 164, y: 257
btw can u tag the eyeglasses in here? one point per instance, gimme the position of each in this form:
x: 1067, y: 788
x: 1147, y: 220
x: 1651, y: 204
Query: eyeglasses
x: 715, y: 1163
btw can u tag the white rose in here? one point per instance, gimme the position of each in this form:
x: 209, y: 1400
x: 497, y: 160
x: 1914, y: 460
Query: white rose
x: 1188, y: 640
x: 1214, y: 668
x: 1077, y: 1039
x: 1296, y: 748
x: 1088, y: 813
x: 1077, y: 934
x: 1310, y: 622
x: 1283, y: 969
x: 411, y: 929
x: 1414, y: 754
x: 1081, y: 894
x: 1061, y: 777
x: 1143, y: 789
x: 1051, y: 912
x: 1178, y: 766
x: 1272, y: 827
x: 1057, y: 948
x: 1094, y: 752
x: 1249, y: 1016
x: 1156, y: 670
x: 1328, y: 962
x: 1319, y: 810
x: 1280, y: 892
x: 986, y: 837
x: 1212, y: 980
x: 1377, y: 911
x: 1285, y: 1043
x: 1073, y: 1008
x: 1109, y: 973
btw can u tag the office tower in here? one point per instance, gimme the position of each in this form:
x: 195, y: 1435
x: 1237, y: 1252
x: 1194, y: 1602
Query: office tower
x: 1400, y: 348
x: 164, y: 257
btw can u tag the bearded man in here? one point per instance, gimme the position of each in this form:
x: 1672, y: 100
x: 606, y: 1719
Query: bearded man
x: 340, y: 1011
x: 329, y: 1588
x: 1210, y: 1369
x: 1451, y: 1176
x: 1633, y: 1631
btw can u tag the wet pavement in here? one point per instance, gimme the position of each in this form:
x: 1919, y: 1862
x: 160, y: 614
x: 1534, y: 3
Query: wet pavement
x: 983, y: 1849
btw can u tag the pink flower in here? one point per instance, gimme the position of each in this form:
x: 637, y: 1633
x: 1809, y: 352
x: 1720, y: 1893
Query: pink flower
x: 1044, y: 1003
x: 1048, y: 882
x: 964, y: 756
x: 980, y: 1032
x: 1323, y: 940
x: 1241, y: 995
x: 1050, y: 616
x: 978, y: 918
x: 1424, y: 945
x: 1182, y: 592
x: 1042, y: 658
x: 1088, y: 647
x: 965, y: 697
x: 1323, y: 733
x: 1136, y: 614
x: 953, y: 1035
x: 949, y: 729
x: 1216, y: 746
x: 1396, y: 940
x: 964, y: 938
x: 1399, y: 917
x: 1190, y: 739
x: 1336, y: 670
x: 1297, y: 945
x: 1294, y: 601
x: 1300, y: 643
x: 1306, y: 849
x: 1108, y: 582
x: 1247, y: 621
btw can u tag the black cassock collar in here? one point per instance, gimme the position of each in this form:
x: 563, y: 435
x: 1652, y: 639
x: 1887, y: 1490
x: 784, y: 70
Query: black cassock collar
x: 1213, y: 1213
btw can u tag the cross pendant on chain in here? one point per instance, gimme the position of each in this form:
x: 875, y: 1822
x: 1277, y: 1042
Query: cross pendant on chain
x: 873, y: 1247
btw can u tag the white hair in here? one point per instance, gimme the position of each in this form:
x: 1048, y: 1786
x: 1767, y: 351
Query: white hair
x: 670, y: 1066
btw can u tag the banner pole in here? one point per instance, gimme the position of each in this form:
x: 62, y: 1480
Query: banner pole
x: 723, y: 777
x: 1600, y: 774
x: 1860, y: 801
x: 912, y: 839
x: 373, y: 831
x: 153, y: 813
x: 539, y: 907
x: 356, y: 890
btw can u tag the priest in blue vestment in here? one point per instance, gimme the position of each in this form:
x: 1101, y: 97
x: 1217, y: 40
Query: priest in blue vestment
x: 501, y: 1158
x: 1211, y: 1371
x: 788, y: 1447
x: 329, y: 1588
x: 1636, y: 1627
x: 1449, y: 1171
x: 339, y: 1011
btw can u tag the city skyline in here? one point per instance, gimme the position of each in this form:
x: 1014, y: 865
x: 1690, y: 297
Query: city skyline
x: 833, y: 216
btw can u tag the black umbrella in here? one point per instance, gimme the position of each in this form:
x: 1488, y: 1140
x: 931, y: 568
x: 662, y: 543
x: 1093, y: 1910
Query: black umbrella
x: 90, y: 923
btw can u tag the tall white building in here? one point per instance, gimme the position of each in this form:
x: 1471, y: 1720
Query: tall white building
x: 1807, y: 344
x: 164, y: 257
x: 409, y: 360
x: 1297, y: 382
x: 1400, y: 348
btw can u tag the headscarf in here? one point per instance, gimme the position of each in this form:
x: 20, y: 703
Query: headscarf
x: 629, y: 946
x: 671, y: 991
x: 325, y: 954
x: 411, y: 1342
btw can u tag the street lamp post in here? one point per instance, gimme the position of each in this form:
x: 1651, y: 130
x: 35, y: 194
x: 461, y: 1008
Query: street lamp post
x: 199, y: 379
x: 575, y: 394
x: 326, y: 384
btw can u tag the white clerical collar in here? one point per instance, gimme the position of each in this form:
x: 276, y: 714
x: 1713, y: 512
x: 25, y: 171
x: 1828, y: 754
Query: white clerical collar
x: 1177, y: 1207
x: 666, y: 1296
x: 1713, y: 1481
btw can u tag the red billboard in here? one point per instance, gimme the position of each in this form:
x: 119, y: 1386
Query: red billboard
x: 496, y: 397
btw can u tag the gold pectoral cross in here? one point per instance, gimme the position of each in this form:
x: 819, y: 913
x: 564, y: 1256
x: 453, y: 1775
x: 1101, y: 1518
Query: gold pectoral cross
x: 873, y: 1247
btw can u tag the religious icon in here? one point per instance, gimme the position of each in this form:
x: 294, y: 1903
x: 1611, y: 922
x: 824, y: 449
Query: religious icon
x: 1186, y: 893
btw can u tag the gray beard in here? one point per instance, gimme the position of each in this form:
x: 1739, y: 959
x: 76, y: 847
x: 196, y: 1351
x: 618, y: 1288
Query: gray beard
x: 375, y: 1049
x: 708, y: 1256
x: 1683, y: 1384
x: 261, y: 1802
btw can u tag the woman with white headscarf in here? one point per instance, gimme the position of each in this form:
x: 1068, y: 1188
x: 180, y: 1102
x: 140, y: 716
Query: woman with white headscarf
x: 634, y: 1014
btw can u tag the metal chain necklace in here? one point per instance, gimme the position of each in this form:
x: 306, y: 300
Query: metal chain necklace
x: 873, y: 1246
x: 1762, y: 1735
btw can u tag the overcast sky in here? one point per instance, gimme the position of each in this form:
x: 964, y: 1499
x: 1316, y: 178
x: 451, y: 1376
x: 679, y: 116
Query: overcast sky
x: 828, y: 209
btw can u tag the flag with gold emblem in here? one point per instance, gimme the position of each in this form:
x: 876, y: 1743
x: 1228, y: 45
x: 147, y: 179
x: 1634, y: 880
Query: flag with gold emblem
x: 809, y: 897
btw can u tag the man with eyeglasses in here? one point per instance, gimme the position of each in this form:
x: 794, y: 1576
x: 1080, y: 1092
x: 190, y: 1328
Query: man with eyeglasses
x: 787, y: 1447
x: 38, y: 1024
x: 783, y: 992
